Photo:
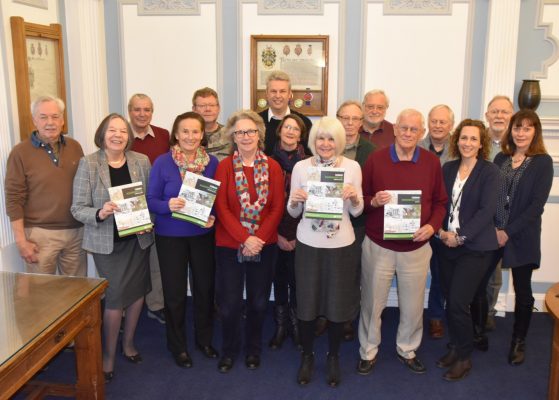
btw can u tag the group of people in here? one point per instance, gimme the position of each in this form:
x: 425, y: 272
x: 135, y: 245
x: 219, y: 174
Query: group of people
x: 479, y: 211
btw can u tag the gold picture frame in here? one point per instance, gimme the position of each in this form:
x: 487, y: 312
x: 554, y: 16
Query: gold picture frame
x: 304, y: 58
x: 39, y: 67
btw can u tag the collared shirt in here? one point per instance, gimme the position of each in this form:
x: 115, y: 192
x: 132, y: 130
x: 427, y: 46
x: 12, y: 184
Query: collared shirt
x: 383, y: 136
x: 149, y: 132
x: 52, y: 152
x: 394, y: 155
x: 495, y: 149
x: 271, y: 114
x: 350, y: 151
x: 427, y: 144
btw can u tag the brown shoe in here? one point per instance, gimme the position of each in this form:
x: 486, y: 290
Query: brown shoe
x: 459, y: 370
x: 448, y: 359
x: 436, y: 329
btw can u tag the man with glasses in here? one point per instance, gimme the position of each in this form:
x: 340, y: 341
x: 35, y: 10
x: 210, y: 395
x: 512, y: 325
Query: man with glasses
x: 152, y: 141
x: 39, y: 178
x: 401, y: 166
x: 440, y: 122
x: 206, y: 103
x: 375, y: 128
x: 498, y: 115
x: 278, y: 95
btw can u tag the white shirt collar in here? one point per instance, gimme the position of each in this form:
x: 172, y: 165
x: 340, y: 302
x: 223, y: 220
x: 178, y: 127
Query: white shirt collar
x: 271, y: 114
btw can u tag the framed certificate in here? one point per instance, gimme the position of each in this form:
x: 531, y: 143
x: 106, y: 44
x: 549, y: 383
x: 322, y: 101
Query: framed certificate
x: 39, y: 67
x: 303, y: 58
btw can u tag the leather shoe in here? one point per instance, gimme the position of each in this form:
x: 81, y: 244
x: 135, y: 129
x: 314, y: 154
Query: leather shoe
x: 208, y: 351
x: 225, y: 364
x: 134, y: 359
x: 108, y: 376
x: 183, y: 360
x: 448, y: 359
x: 459, y: 370
x: 517, y: 350
x: 304, y: 375
x: 333, y: 366
x: 252, y: 361
x: 436, y: 329
x: 413, y: 364
x: 365, y: 367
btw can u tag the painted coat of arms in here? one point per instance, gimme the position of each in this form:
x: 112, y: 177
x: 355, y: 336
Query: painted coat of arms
x: 269, y: 57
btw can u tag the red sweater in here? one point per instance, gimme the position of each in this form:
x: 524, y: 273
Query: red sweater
x: 151, y: 146
x: 229, y: 231
x: 381, y: 172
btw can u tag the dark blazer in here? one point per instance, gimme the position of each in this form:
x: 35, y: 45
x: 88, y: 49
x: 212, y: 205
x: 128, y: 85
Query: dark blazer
x: 272, y: 126
x: 525, y: 219
x: 364, y: 149
x: 478, y: 203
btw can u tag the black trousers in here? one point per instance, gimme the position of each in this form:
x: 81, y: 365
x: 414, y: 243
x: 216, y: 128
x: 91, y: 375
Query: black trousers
x: 176, y: 255
x: 284, y: 279
x: 231, y: 277
x: 461, y: 272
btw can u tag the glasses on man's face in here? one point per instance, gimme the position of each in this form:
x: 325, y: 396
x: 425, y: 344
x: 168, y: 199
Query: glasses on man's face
x: 404, y: 129
x: 245, y: 132
x: 214, y: 105
x: 291, y: 128
x: 496, y: 112
x: 346, y: 119
x: 374, y: 107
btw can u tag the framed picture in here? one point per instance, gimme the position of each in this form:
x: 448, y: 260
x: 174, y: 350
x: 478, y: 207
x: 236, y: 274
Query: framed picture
x: 303, y: 58
x: 39, y: 67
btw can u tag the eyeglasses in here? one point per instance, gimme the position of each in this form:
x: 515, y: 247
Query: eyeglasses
x: 206, y: 105
x: 246, y: 132
x: 346, y: 119
x: 497, y: 112
x: 45, y: 118
x: 404, y: 129
x: 440, y: 122
x: 373, y: 107
x: 291, y: 128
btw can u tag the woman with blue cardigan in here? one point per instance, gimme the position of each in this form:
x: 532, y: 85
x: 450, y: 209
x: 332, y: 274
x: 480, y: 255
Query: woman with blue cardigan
x: 181, y: 244
x: 468, y: 235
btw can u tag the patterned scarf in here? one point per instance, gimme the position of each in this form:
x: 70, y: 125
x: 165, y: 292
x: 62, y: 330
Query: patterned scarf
x: 197, y: 166
x: 330, y: 227
x: 250, y: 212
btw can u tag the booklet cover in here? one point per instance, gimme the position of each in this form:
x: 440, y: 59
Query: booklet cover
x: 199, y: 193
x: 402, y: 216
x: 133, y: 216
x: 324, y: 188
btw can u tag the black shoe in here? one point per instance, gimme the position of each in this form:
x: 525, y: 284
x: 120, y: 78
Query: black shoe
x: 134, y: 359
x: 365, y: 367
x: 183, y: 360
x: 294, y: 328
x: 333, y: 367
x: 413, y: 364
x: 517, y: 350
x: 349, y: 332
x: 481, y: 342
x: 208, y: 350
x: 225, y: 364
x: 108, y: 376
x: 252, y: 361
x: 281, y: 317
x: 459, y: 370
x: 304, y: 375
x: 448, y: 359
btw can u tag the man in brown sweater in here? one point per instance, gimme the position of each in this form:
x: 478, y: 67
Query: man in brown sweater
x: 39, y: 178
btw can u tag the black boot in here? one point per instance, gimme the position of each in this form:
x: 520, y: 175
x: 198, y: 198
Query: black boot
x: 479, y: 310
x: 333, y: 365
x: 294, y: 327
x: 281, y: 318
x: 304, y: 375
x: 516, y: 353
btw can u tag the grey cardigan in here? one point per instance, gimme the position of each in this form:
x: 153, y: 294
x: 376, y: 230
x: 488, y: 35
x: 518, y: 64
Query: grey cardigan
x: 90, y: 194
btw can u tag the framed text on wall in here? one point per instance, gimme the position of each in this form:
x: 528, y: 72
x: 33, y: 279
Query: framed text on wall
x: 303, y: 58
x: 39, y: 67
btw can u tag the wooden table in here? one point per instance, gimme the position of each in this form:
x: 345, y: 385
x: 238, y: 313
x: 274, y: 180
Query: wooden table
x: 552, y: 304
x: 39, y: 316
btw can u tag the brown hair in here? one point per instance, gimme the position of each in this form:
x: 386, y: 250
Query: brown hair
x: 99, y: 138
x: 484, y: 139
x: 187, y: 115
x: 536, y: 146
x: 204, y: 92
x: 300, y: 124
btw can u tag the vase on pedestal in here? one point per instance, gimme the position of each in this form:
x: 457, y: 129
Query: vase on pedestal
x: 530, y: 95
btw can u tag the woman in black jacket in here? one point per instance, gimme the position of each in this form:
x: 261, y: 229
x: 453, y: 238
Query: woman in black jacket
x: 468, y: 234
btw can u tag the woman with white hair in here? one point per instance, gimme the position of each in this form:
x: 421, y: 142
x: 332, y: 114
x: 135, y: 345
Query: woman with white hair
x: 326, y: 266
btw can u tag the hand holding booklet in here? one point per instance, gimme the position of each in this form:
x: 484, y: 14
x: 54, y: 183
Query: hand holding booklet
x: 199, y: 194
x: 325, y: 188
x: 133, y: 216
x: 402, y: 215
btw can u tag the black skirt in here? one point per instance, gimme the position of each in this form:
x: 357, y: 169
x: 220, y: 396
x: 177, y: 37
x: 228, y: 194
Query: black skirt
x: 327, y: 283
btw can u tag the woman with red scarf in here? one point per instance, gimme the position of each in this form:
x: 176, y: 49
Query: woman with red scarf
x: 249, y: 207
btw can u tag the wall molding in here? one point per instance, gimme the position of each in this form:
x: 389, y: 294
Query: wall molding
x: 417, y: 7
x: 290, y: 7
x: 547, y: 28
x: 168, y: 7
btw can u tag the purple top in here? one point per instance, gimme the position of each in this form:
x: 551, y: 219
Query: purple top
x: 165, y: 182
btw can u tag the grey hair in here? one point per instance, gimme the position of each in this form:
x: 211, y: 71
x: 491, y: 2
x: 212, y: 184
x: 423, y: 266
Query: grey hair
x: 139, y: 96
x: 376, y: 91
x: 447, y: 108
x: 410, y: 111
x: 47, y: 99
x: 348, y: 103
x: 500, y: 97
x: 250, y: 115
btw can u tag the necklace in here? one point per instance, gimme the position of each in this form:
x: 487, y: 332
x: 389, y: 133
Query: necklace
x: 117, y: 161
x: 518, y: 159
